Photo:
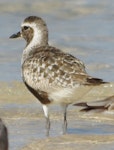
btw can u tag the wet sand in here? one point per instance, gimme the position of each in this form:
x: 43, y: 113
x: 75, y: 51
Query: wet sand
x: 23, y: 116
x: 74, y: 142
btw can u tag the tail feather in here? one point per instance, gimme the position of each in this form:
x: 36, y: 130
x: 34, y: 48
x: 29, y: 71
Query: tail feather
x: 95, y: 81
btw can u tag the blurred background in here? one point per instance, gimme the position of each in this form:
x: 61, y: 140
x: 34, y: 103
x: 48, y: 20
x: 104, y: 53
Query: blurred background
x: 84, y: 28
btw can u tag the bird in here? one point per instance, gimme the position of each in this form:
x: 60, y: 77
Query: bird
x: 102, y: 105
x: 51, y: 75
x: 3, y: 136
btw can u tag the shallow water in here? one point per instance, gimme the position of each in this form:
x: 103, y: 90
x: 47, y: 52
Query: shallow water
x: 23, y: 116
x: 84, y: 28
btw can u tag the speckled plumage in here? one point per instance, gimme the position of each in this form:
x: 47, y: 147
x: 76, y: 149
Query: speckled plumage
x: 52, y: 75
x: 50, y: 65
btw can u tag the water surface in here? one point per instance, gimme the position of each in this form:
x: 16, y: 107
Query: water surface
x: 84, y: 28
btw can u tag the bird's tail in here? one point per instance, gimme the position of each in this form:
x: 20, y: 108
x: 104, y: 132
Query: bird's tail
x: 95, y: 81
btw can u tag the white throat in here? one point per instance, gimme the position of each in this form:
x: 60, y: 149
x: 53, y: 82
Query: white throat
x: 37, y: 35
x: 35, y: 41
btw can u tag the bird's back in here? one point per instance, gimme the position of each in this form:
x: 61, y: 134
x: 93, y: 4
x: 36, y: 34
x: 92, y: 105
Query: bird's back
x: 50, y: 66
x: 54, y: 74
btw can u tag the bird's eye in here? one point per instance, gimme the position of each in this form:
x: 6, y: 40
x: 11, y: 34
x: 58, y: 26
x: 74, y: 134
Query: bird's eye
x: 25, y: 27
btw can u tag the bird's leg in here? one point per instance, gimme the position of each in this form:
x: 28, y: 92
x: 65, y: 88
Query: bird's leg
x: 65, y: 123
x: 47, y: 126
x: 46, y: 113
x: 64, y: 106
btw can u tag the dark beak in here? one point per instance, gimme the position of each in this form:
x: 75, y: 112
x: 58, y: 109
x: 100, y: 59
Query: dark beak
x: 17, y: 35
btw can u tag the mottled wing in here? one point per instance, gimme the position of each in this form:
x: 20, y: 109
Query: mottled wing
x: 49, y: 67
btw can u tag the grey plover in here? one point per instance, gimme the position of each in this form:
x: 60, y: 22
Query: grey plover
x: 3, y: 136
x: 50, y: 74
x: 106, y: 104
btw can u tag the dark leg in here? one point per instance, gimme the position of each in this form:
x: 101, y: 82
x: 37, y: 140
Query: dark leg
x: 3, y: 136
x: 47, y: 126
x: 65, y: 118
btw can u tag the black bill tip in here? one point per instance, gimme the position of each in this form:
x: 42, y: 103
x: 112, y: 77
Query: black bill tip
x: 17, y: 35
